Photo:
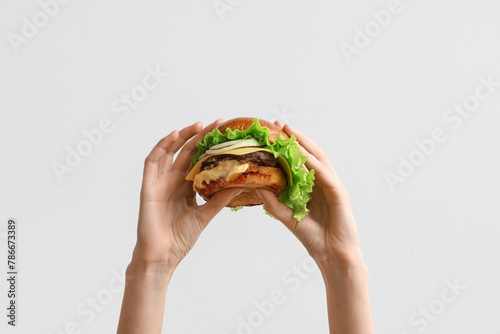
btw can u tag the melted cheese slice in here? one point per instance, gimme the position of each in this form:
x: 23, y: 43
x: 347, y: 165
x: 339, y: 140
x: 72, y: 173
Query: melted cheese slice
x: 229, y: 170
x: 238, y: 151
x: 241, y: 151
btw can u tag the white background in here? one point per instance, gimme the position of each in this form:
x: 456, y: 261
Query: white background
x: 273, y: 60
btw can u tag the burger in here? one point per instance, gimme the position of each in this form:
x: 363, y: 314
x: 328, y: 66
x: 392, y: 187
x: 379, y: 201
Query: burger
x: 251, y: 153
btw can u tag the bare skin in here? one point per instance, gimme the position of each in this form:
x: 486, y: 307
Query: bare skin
x: 330, y: 235
x: 170, y: 222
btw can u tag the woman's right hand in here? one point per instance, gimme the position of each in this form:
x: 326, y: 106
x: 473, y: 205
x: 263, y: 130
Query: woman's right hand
x: 329, y: 231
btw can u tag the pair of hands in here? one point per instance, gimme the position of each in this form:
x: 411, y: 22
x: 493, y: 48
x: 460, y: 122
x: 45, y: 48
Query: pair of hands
x: 170, y: 220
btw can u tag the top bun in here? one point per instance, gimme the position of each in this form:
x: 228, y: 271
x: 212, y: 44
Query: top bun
x: 242, y: 123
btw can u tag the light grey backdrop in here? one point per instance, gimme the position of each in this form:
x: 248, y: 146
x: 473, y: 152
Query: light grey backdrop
x: 403, y: 96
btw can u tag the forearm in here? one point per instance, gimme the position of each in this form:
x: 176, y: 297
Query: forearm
x: 144, y: 298
x: 347, y: 297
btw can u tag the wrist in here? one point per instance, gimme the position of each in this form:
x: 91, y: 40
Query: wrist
x: 154, y: 258
x: 151, y: 275
x: 352, y: 267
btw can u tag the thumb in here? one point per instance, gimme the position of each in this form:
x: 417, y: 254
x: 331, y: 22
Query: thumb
x: 217, y: 203
x: 276, y: 208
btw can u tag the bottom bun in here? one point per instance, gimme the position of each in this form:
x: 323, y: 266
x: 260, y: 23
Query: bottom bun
x: 270, y: 178
x: 246, y: 198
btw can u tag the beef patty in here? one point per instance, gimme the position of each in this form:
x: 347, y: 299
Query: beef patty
x: 259, y: 158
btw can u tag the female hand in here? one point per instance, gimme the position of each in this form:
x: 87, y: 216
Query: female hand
x: 330, y: 236
x: 329, y: 231
x: 170, y: 221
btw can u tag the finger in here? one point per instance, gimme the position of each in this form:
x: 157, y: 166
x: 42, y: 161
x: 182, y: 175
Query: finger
x: 170, y: 144
x: 312, y: 162
x: 278, y: 123
x: 184, y: 135
x: 208, y: 210
x: 151, y: 163
x: 310, y: 146
x: 276, y: 208
x: 184, y: 158
x: 325, y: 175
x: 307, y: 143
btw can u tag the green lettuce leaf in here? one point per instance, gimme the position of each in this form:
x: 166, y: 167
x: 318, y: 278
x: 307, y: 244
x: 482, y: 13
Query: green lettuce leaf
x: 216, y: 137
x: 295, y: 196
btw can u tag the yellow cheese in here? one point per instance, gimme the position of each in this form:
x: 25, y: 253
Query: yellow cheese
x: 238, y: 151
x: 229, y: 170
x: 241, y: 151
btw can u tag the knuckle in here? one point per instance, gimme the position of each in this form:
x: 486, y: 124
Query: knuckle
x: 150, y: 160
x: 293, y: 226
x: 342, y: 192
